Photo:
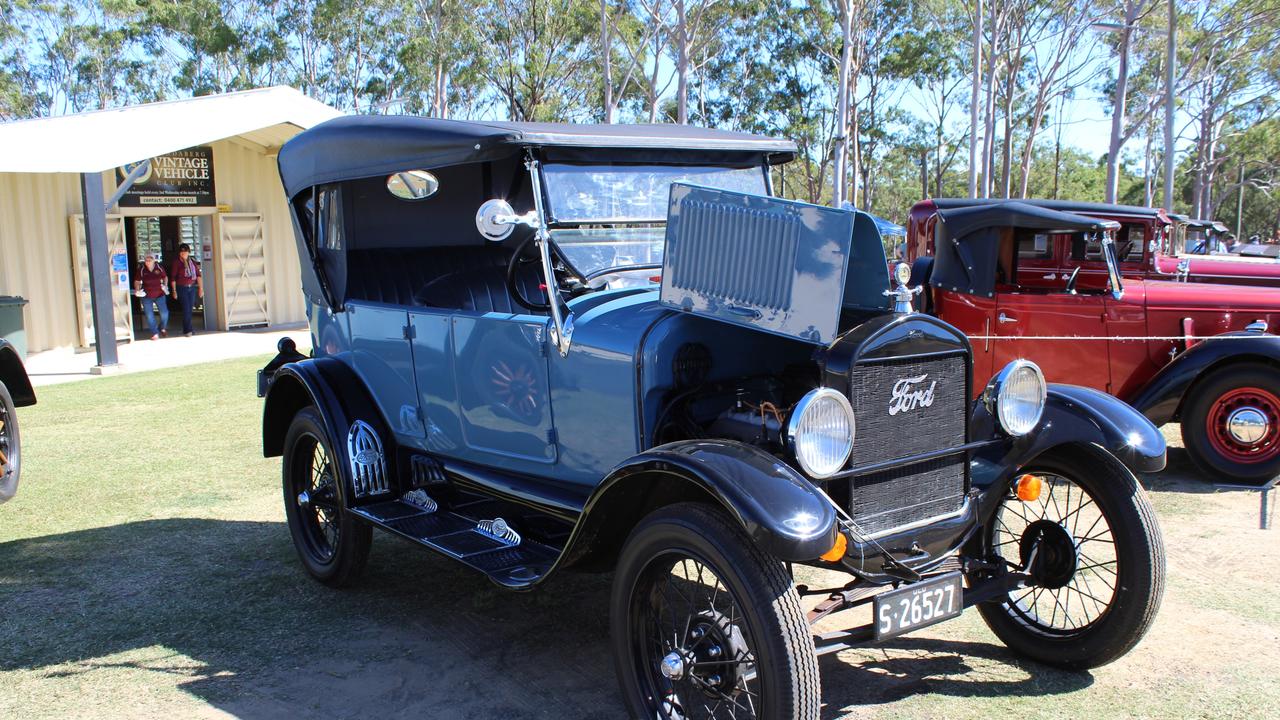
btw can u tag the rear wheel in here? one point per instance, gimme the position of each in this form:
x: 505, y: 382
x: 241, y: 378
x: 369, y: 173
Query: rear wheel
x: 332, y: 545
x: 10, y: 446
x: 1231, y: 424
x: 1093, y: 547
x: 705, y: 625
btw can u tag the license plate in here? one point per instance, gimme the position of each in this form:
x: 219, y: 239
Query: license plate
x: 918, y: 605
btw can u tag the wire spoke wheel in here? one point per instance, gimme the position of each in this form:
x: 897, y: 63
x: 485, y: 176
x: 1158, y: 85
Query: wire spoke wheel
x: 697, y: 653
x: 705, y: 625
x: 10, y: 445
x: 1066, y: 542
x: 331, y: 543
x: 1093, y: 550
x: 314, y: 488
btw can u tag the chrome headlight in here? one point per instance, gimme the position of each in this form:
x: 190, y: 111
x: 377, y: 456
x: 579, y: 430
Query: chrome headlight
x: 821, y: 432
x: 1016, y: 397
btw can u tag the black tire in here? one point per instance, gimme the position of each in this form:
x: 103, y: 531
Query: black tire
x: 752, y: 614
x: 332, y: 544
x: 1217, y: 454
x: 10, y: 445
x: 1103, y: 627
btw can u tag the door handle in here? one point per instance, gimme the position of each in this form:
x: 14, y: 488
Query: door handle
x: 1050, y: 276
x: 1005, y: 319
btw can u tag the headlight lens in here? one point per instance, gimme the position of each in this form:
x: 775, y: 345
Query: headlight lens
x: 1018, y: 394
x: 821, y: 432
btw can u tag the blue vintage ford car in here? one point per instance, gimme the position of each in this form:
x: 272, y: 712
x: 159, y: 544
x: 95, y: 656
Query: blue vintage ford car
x: 607, y: 348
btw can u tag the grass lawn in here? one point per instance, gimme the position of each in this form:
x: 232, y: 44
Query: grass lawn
x: 145, y: 570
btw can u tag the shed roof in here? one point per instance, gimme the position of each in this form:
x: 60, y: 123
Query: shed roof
x: 104, y: 139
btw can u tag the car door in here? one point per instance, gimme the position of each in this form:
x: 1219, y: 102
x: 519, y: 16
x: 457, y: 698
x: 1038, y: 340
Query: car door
x: 1039, y: 320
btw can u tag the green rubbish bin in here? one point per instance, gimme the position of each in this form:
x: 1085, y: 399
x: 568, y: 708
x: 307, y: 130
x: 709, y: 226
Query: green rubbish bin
x: 12, y: 326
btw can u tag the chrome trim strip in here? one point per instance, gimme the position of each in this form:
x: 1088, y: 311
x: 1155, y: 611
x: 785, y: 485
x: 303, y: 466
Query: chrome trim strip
x: 964, y: 507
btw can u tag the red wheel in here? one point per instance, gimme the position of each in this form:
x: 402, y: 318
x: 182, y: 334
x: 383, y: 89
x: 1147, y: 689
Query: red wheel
x: 1244, y: 425
x: 1231, y: 424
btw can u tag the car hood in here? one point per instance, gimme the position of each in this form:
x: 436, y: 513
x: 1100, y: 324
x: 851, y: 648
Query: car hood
x: 1224, y: 266
x: 1206, y: 296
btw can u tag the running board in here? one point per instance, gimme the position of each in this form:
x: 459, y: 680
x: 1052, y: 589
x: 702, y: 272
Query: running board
x: 487, y: 545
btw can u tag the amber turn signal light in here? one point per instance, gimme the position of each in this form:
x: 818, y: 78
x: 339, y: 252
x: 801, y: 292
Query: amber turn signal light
x: 1029, y: 487
x: 837, y: 551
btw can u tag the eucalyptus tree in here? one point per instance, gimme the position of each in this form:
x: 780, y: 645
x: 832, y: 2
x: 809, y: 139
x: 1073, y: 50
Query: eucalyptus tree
x: 540, y: 57
x: 1231, y: 84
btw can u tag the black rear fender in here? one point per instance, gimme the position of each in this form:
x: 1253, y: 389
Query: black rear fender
x: 1161, y: 398
x: 14, y: 376
x: 778, y: 508
x: 337, y: 394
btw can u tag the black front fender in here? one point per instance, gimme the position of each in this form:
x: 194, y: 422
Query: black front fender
x: 1073, y: 415
x: 778, y: 507
x: 1161, y: 398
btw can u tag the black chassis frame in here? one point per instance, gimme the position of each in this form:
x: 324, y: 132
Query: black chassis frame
x: 752, y: 486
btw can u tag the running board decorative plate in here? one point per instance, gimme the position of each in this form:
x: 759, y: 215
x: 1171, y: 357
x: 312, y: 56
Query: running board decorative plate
x: 499, y: 530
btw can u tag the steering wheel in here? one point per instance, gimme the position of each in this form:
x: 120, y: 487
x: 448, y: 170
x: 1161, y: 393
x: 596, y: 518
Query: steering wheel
x: 1071, y: 281
x: 513, y: 287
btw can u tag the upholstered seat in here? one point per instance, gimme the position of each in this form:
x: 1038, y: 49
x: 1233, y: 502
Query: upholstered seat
x: 470, y: 278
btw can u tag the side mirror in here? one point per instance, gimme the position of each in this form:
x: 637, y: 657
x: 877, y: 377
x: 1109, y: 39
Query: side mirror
x: 496, y: 220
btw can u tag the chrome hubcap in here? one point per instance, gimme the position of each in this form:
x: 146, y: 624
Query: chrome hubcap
x: 304, y: 498
x: 672, y: 666
x: 1247, y: 425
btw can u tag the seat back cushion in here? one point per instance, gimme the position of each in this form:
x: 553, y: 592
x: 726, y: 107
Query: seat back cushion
x: 469, y: 278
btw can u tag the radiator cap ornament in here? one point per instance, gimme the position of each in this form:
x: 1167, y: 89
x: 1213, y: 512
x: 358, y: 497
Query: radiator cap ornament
x: 902, y: 294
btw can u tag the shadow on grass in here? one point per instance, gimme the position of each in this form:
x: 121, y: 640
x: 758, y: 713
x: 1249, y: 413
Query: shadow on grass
x: 938, y: 667
x: 225, y: 606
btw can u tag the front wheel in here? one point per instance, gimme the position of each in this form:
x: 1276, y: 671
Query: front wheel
x: 332, y: 545
x: 1231, y: 424
x: 1094, y: 551
x: 706, y: 625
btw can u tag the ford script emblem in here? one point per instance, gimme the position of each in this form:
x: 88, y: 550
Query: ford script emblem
x: 910, y: 393
x: 367, y: 457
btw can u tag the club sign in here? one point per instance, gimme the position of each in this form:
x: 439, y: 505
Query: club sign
x: 182, y: 178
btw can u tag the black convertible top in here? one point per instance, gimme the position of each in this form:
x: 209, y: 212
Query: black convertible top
x: 359, y: 146
x: 967, y: 244
x: 1060, y: 205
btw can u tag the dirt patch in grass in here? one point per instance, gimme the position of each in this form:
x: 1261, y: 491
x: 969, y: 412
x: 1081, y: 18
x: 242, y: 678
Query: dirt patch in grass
x: 146, y: 571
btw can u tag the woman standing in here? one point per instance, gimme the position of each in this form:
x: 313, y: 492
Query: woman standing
x: 151, y: 286
x: 187, y: 285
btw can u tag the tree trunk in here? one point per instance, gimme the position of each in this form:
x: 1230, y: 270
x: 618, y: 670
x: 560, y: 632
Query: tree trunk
x: 605, y: 51
x: 989, y: 124
x: 975, y: 91
x: 1118, y: 108
x: 842, y: 104
x: 682, y: 65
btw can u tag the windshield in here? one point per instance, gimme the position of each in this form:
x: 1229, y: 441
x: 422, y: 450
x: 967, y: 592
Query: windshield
x: 619, y: 212
x: 595, y: 248
x: 633, y: 193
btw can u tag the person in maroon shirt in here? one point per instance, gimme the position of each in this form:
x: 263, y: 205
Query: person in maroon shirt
x: 151, y: 285
x: 187, y: 284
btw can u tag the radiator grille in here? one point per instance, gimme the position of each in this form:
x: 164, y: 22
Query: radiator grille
x: 929, y: 407
x: 908, y: 494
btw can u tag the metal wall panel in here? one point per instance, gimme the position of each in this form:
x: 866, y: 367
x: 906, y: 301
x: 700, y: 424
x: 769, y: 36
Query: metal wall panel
x: 35, y: 244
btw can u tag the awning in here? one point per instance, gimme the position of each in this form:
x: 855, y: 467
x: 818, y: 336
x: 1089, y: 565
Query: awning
x: 105, y: 139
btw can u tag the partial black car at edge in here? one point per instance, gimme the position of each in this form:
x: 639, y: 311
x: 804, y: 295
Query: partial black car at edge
x: 15, y: 392
x: 544, y: 347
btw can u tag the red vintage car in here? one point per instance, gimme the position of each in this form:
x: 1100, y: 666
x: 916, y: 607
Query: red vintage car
x: 1070, y: 292
x: 1154, y: 242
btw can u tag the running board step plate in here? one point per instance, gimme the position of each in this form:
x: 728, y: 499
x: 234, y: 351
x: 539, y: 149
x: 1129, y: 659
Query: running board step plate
x: 504, y: 557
